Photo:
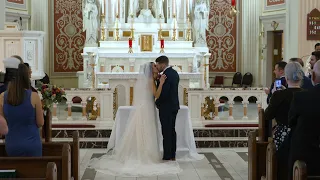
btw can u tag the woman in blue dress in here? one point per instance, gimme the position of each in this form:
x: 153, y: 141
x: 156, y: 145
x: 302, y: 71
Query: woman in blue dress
x: 22, y: 109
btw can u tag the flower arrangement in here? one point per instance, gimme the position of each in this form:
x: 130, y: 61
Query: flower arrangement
x: 50, y: 94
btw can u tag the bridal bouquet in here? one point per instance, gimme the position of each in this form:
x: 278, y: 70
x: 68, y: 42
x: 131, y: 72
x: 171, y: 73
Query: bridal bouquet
x: 50, y: 94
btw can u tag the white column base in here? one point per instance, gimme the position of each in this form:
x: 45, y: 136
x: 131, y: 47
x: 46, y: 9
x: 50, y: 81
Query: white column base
x: 69, y: 118
x: 230, y: 118
x: 55, y: 118
x: 245, y: 118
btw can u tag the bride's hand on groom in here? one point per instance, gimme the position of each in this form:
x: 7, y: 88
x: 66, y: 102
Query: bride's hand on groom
x: 163, y: 79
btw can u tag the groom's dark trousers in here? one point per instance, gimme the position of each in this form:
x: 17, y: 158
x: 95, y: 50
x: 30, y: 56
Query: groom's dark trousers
x: 168, y: 105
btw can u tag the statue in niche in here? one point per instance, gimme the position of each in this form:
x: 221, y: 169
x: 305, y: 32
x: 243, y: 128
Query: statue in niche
x: 201, y: 18
x: 133, y: 7
x: 90, y: 21
x: 158, y: 8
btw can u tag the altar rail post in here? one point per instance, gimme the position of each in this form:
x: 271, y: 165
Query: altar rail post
x: 103, y: 101
x: 200, y: 102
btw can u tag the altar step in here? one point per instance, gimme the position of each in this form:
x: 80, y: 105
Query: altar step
x: 204, y: 137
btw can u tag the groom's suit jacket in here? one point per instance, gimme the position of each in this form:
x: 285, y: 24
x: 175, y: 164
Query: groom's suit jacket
x: 169, y: 97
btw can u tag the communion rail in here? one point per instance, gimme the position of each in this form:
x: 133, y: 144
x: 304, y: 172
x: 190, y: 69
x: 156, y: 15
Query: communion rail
x: 216, y: 105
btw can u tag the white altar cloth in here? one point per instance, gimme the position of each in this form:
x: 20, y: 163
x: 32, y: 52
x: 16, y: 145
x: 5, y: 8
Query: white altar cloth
x: 186, y: 148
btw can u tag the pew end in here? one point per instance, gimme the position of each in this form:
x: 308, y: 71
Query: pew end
x: 256, y: 157
x: 35, y: 167
x: 271, y: 163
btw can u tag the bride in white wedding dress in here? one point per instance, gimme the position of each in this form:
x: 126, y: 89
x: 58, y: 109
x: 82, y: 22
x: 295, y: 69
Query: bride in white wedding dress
x: 138, y: 153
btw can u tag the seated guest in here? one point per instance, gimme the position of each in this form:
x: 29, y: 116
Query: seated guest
x: 3, y: 126
x: 30, y: 73
x: 23, y: 110
x: 11, y: 65
x: 279, y: 72
x: 304, y: 120
x: 278, y: 109
x: 315, y: 56
x: 306, y: 83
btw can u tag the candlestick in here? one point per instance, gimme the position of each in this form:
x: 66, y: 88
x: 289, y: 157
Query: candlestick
x: 189, y: 38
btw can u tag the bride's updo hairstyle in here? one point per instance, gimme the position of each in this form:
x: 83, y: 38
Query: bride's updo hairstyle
x: 294, y: 72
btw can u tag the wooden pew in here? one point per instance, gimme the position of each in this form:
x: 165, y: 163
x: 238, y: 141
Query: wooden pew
x: 271, y: 162
x: 257, y: 150
x: 54, y: 149
x: 51, y: 174
x: 300, y: 171
x: 47, y: 127
x: 37, y: 165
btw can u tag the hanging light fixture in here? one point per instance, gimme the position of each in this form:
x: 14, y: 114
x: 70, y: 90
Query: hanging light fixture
x: 233, y: 12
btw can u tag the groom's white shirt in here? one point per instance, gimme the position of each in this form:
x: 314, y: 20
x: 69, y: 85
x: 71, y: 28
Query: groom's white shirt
x: 164, y: 70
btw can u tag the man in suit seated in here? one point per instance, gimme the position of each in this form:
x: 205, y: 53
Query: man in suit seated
x: 279, y: 72
x: 304, y: 121
x: 306, y: 83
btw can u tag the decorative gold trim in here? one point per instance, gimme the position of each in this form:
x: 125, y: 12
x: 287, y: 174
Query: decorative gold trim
x: 181, y: 33
x: 110, y: 33
x: 146, y: 43
x: 115, y: 103
x: 126, y: 33
x: 131, y: 95
x: 185, y: 96
x: 165, y: 33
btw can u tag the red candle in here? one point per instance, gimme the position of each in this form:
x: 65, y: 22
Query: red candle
x: 130, y: 43
x: 233, y: 2
x: 162, y: 43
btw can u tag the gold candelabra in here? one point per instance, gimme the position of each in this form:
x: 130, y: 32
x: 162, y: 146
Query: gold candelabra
x: 205, y: 75
x: 189, y: 38
x: 93, y: 65
x: 103, y: 29
x: 117, y: 36
x: 174, y: 31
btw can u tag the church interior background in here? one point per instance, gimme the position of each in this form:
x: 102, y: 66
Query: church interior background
x: 207, y: 42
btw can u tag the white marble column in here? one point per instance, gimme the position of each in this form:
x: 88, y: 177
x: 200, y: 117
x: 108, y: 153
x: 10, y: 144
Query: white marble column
x: 40, y: 22
x: 291, y: 32
x: 250, y: 13
x: 2, y: 14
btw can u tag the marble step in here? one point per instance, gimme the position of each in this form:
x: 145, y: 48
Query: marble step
x: 105, y: 133
x: 201, y: 142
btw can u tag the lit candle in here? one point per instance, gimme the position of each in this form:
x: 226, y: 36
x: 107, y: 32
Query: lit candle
x: 187, y: 7
x: 102, y: 7
x: 174, y: 7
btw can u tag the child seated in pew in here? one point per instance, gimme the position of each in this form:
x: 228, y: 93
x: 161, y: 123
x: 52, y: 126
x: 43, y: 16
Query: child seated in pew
x: 22, y: 109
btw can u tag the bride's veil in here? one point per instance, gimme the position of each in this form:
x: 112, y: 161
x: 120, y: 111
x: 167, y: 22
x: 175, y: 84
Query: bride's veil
x: 141, y: 117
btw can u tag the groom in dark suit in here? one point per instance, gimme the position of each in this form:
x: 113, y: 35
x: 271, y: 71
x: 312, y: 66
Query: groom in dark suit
x: 168, y: 105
